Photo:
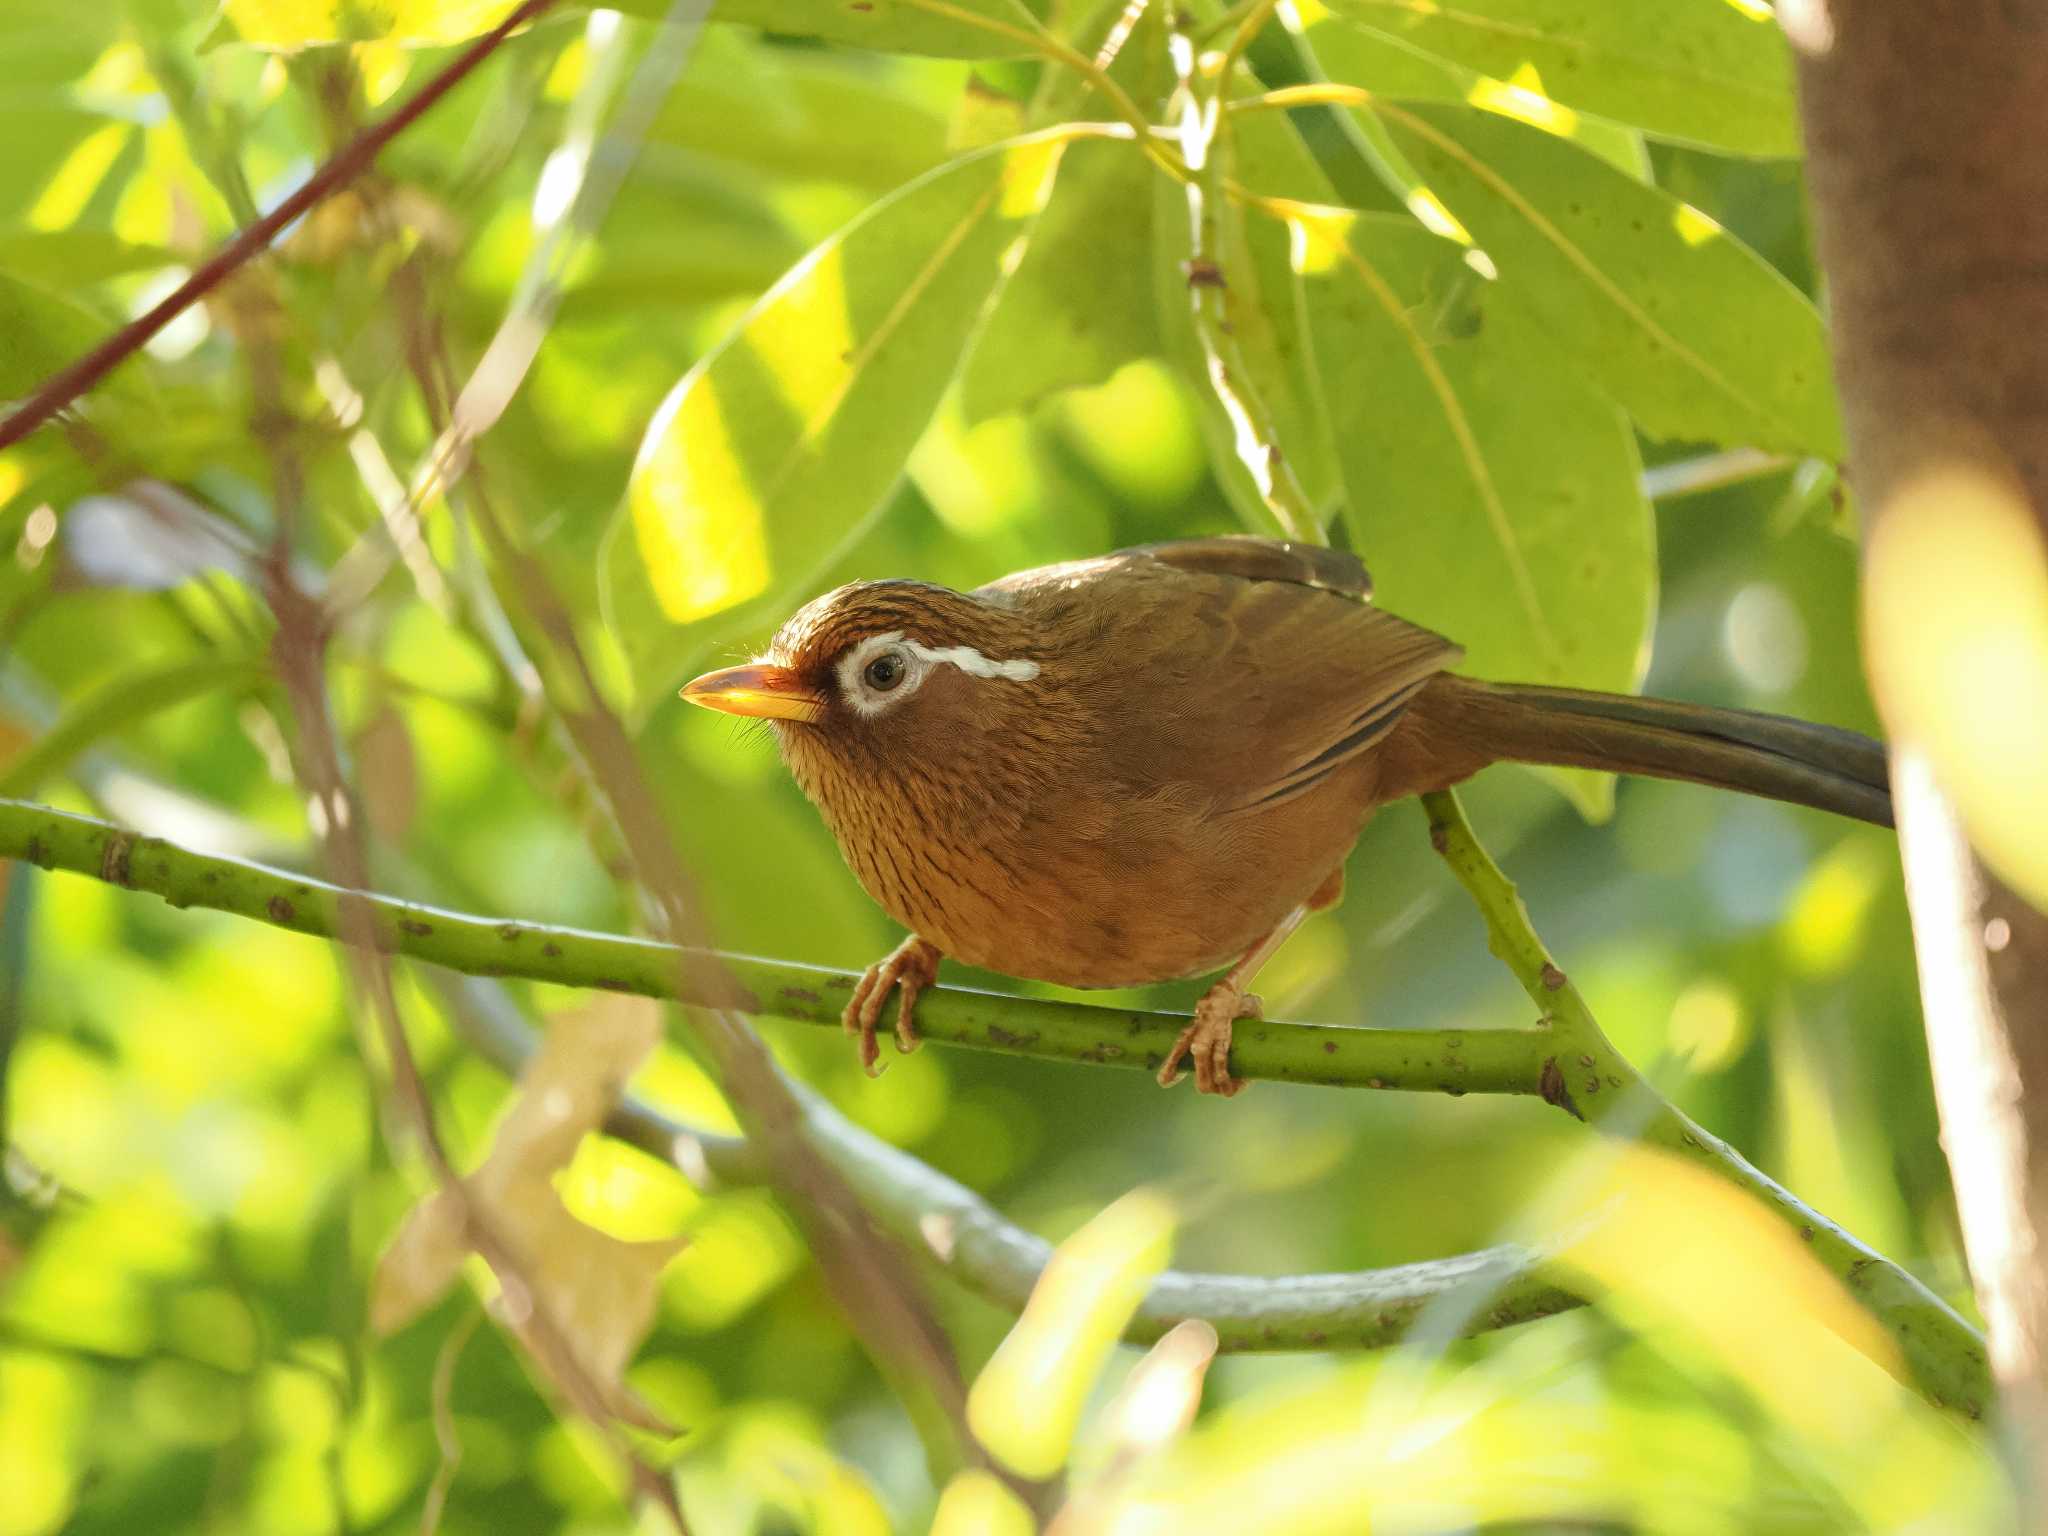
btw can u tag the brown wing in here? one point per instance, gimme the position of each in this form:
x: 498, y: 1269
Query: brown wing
x: 1307, y: 565
x: 1254, y: 663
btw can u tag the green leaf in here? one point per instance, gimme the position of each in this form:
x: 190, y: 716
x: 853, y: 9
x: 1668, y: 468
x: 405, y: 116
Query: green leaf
x: 793, y: 428
x: 306, y: 23
x: 952, y: 29
x: 71, y: 258
x: 1078, y: 306
x: 811, y: 114
x: 1351, y: 55
x: 131, y: 696
x: 1690, y: 329
x: 1026, y: 1404
x: 40, y: 332
x: 1703, y: 72
x: 963, y: 29
x: 1494, y: 495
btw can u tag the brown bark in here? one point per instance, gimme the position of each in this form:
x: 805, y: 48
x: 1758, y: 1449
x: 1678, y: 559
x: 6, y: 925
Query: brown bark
x: 1929, y: 172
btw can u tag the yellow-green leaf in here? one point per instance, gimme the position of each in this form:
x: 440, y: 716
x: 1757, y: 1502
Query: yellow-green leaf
x: 796, y: 425
x: 1706, y: 72
x: 1078, y: 307
x: 1673, y: 316
x: 1028, y: 1399
x: 1493, y: 493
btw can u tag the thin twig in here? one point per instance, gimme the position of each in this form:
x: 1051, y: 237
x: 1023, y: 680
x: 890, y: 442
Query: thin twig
x: 355, y: 157
x: 446, y: 1436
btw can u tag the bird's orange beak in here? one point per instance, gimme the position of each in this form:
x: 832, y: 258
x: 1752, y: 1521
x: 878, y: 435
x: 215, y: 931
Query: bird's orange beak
x: 769, y: 692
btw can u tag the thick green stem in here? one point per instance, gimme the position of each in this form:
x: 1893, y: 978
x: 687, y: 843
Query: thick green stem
x: 1449, y: 1061
x: 1569, y: 1061
x: 1587, y: 1077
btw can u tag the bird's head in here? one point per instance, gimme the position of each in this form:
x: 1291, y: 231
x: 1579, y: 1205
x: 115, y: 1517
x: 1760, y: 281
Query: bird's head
x: 885, y: 680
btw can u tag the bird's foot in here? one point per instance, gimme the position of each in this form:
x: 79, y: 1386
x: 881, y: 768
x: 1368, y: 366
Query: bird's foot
x: 1206, y: 1042
x: 911, y: 967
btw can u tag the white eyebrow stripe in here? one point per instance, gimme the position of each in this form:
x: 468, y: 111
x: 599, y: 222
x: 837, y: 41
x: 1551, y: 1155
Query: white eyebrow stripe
x: 961, y: 656
x: 971, y: 661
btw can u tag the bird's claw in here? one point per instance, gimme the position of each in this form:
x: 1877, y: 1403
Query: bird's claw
x: 1206, y: 1041
x: 911, y: 967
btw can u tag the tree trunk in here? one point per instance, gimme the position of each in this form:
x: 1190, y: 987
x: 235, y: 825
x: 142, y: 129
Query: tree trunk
x: 1928, y: 163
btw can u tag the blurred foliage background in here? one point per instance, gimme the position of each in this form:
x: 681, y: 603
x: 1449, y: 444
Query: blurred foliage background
x: 198, y: 1186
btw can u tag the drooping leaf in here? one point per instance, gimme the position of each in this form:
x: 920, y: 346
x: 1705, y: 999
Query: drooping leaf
x: 1493, y: 493
x: 1079, y: 305
x: 597, y: 1290
x: 1704, y: 72
x: 793, y: 428
x: 1674, y: 317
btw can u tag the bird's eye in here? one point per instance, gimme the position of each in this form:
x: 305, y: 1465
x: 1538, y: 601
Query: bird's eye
x: 884, y: 672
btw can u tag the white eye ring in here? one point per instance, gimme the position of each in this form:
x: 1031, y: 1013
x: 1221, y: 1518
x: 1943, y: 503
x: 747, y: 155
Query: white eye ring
x: 868, y: 698
x: 869, y: 694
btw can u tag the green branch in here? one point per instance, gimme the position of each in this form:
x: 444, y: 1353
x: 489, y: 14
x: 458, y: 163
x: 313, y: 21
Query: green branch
x: 922, y: 1208
x: 1449, y: 1061
x: 1588, y: 1077
x: 1569, y: 1061
x: 972, y: 1242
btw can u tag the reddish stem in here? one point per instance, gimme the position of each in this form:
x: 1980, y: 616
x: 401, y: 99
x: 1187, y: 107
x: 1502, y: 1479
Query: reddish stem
x: 355, y: 157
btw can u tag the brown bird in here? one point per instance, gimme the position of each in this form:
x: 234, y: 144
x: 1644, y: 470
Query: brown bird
x: 1153, y: 764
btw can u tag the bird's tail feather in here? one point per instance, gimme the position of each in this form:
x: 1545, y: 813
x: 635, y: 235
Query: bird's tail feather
x: 1782, y: 759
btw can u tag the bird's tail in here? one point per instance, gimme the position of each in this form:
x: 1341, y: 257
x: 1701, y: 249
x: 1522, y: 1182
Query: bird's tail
x: 1818, y: 765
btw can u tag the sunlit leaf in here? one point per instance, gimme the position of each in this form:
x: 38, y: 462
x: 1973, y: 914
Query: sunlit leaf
x: 1494, y: 495
x: 1703, y: 71
x: 304, y: 23
x: 1667, y: 311
x: 796, y: 426
x: 598, y: 1291
x: 1157, y: 1401
x: 1027, y: 1400
x: 1078, y: 306
x: 1359, y: 56
x: 976, y: 1503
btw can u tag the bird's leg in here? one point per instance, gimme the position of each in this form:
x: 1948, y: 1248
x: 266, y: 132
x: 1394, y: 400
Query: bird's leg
x: 1206, y: 1042
x: 911, y: 967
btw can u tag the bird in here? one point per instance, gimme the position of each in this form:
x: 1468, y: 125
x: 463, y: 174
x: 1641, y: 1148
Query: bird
x: 1153, y: 764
